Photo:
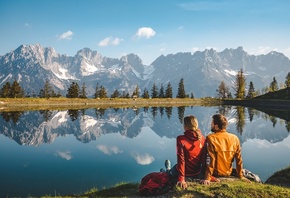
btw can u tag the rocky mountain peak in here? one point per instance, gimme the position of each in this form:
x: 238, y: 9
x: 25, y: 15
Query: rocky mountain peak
x: 202, y: 71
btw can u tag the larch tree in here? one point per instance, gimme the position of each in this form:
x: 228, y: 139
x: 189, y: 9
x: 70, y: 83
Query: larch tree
x: 223, y: 90
x: 240, y: 85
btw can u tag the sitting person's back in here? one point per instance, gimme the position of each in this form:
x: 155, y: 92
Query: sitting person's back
x: 190, y: 153
x: 222, y: 149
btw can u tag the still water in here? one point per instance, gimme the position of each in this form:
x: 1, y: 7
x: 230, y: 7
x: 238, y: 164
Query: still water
x: 66, y: 152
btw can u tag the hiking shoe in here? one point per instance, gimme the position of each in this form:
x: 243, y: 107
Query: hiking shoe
x: 162, y: 170
x: 167, y: 165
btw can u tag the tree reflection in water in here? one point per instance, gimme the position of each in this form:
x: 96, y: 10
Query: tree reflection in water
x: 13, y: 116
x: 240, y: 114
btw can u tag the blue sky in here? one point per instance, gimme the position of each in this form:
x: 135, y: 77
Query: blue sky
x: 148, y: 28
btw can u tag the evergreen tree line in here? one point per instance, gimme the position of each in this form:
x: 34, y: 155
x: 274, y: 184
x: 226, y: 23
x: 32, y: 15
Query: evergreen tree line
x: 14, y: 90
x: 223, y: 90
x: 75, y: 91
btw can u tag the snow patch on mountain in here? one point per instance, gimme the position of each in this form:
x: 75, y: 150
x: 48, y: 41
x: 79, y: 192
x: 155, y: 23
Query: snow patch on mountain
x: 63, y: 74
x: 114, y: 69
x: 88, y: 69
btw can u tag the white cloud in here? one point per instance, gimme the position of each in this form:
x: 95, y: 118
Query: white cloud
x: 65, y: 155
x: 145, y: 32
x: 109, y: 150
x: 144, y: 159
x: 110, y: 41
x: 66, y: 35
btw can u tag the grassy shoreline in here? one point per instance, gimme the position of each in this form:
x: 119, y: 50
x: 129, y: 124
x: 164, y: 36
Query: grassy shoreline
x: 77, y: 103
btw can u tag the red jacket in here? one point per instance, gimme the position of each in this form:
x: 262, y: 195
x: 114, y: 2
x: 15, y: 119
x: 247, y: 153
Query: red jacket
x: 190, y: 156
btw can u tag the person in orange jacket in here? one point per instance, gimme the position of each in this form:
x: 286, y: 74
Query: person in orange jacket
x: 222, y: 149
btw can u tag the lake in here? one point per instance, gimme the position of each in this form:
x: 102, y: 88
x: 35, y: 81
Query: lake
x: 72, y: 151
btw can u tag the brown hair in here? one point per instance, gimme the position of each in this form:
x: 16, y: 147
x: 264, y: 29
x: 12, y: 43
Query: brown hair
x: 190, y: 122
x: 220, y: 121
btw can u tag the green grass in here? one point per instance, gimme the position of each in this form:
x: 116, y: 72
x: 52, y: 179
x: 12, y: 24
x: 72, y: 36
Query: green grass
x: 276, y: 186
x: 282, y: 94
x: 224, y: 189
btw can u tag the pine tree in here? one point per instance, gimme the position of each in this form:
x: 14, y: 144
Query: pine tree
x: 181, y: 91
x: 154, y: 91
x: 223, y: 90
x: 287, y: 81
x: 123, y: 94
x: 103, y: 92
x: 46, y: 91
x: 73, y: 90
x: 273, y: 85
x: 83, y: 93
x: 240, y: 85
x: 116, y: 94
x: 251, y: 91
x: 97, y: 91
x: 16, y: 90
x: 5, y: 91
x: 191, y: 96
x: 161, y: 92
x: 136, y: 92
x: 168, y: 91
x: 145, y: 94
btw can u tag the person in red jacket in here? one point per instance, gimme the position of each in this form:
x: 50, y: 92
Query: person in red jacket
x: 190, y: 153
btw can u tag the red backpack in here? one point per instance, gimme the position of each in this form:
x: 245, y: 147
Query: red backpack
x: 155, y: 183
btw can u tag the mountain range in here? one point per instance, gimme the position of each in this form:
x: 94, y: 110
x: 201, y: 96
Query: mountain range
x: 202, y: 71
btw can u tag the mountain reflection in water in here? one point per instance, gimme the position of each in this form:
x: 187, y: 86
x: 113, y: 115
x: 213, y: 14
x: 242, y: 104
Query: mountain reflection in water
x: 65, y: 152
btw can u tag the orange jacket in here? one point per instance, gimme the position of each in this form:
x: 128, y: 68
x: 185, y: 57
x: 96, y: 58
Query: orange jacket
x: 222, y: 149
